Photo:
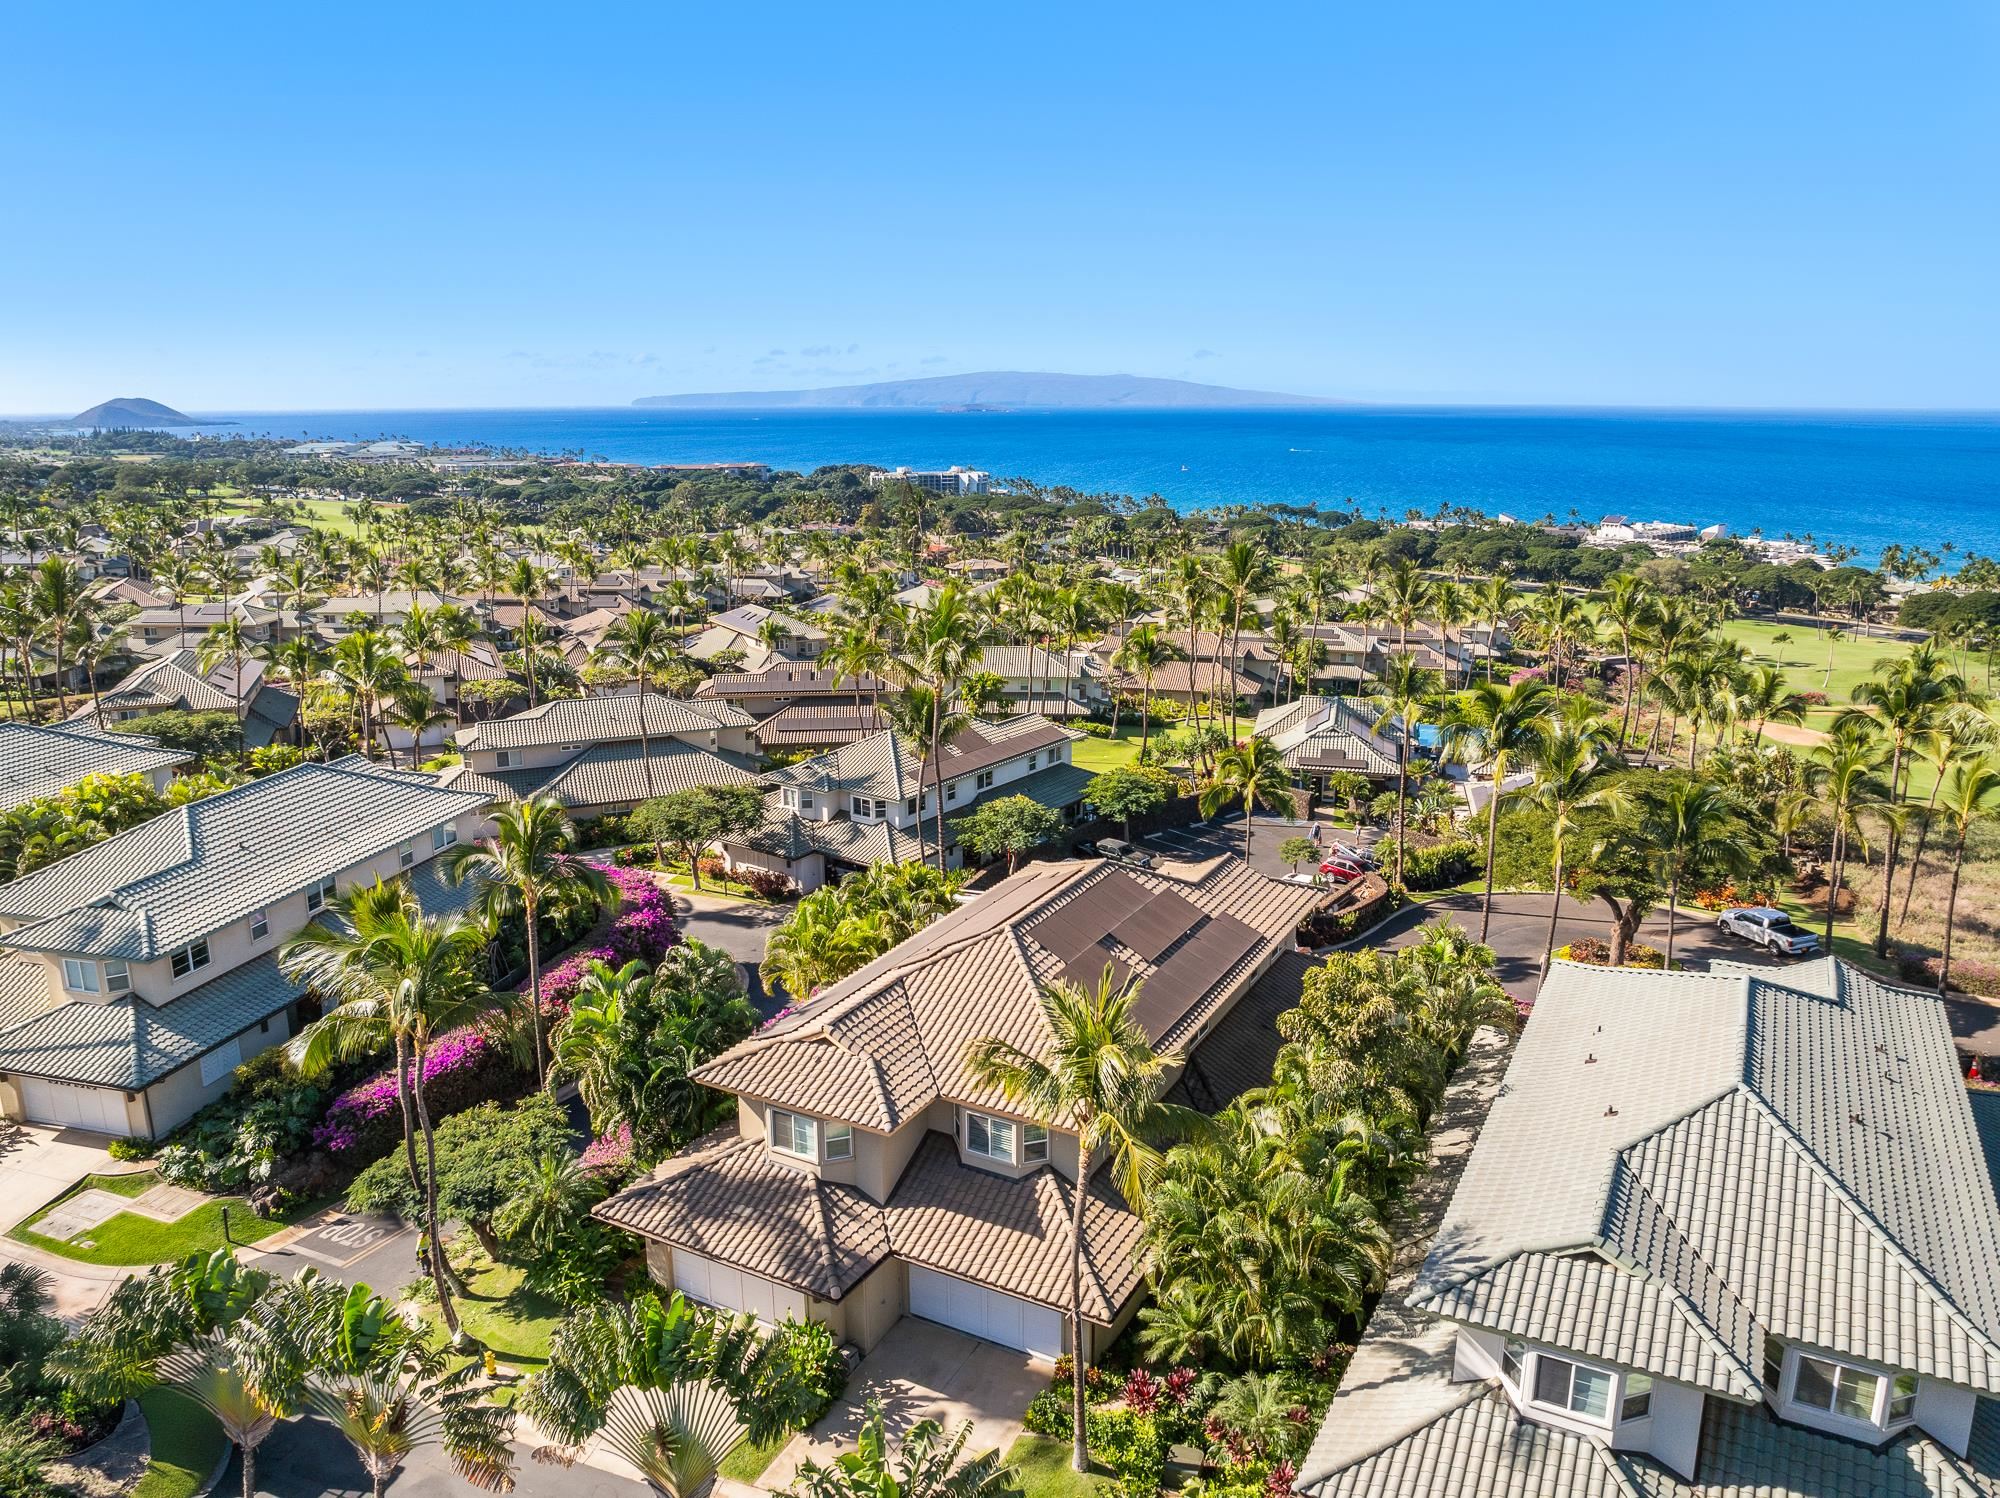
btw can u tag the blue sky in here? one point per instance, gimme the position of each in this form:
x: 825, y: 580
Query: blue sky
x: 292, y: 207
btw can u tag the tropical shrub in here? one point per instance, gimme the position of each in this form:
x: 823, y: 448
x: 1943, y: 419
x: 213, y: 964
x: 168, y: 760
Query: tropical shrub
x: 766, y: 884
x: 38, y: 833
x: 1968, y: 974
x: 463, y: 1067
x: 1598, y: 953
x: 483, y: 1154
x: 132, y: 1147
x: 243, y: 1138
x: 1440, y: 865
x: 840, y: 927
x: 1091, y: 730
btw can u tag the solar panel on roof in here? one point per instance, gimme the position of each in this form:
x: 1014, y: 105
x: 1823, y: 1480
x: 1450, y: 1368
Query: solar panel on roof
x: 1088, y: 967
x: 1196, y: 967
x: 1157, y: 924
x: 1074, y: 925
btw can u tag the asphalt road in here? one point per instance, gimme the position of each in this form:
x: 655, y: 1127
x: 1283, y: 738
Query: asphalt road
x: 738, y: 928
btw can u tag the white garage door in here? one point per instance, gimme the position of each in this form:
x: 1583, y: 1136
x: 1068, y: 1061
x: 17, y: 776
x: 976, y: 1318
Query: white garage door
x: 74, y: 1107
x: 731, y: 1289
x: 1005, y: 1319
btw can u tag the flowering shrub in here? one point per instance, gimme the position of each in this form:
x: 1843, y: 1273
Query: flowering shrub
x: 460, y: 1069
x: 1814, y: 698
x: 1598, y: 953
x: 1729, y: 896
x: 767, y: 884
x: 611, y: 1154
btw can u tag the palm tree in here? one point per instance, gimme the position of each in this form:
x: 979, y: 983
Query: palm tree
x: 1628, y: 607
x: 388, y: 1390
x: 1971, y: 794
x: 396, y: 975
x: 457, y: 627
x: 925, y: 1465
x: 551, y: 1195
x: 1845, y: 775
x: 366, y: 664
x: 1683, y: 823
x: 1495, y: 726
x: 414, y: 708
x: 1099, y: 1078
x: 529, y: 865
x: 226, y: 641
x: 1141, y: 653
x: 1253, y: 773
x: 670, y: 1388
x: 1401, y: 597
x: 1498, y: 601
x: 643, y: 642
x: 1566, y: 764
x: 207, y: 1327
x: 1404, y: 692
x: 946, y: 644
x: 588, y: 1044
x: 56, y: 596
x: 1244, y: 571
x: 1767, y: 697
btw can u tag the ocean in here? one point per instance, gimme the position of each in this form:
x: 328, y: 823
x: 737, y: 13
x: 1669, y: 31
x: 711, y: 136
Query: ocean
x: 1858, y: 479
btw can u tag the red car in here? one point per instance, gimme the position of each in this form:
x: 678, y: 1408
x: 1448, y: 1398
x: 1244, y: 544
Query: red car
x: 1340, y: 869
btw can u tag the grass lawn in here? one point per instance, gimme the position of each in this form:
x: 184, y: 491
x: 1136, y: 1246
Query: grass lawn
x: 1043, y: 1465
x: 128, y: 1238
x: 187, y: 1443
x: 1099, y: 755
x: 512, y: 1320
x: 1803, y: 658
x: 748, y: 1461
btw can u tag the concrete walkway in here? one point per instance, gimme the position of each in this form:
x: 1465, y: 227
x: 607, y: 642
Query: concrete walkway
x: 922, y: 1371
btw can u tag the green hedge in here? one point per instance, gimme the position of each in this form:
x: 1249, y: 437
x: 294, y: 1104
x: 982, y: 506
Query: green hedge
x: 1441, y: 865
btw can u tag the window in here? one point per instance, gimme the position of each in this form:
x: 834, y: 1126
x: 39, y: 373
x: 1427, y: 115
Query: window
x: 444, y: 837
x: 1034, y: 1143
x: 191, y: 958
x: 117, y: 978
x: 320, y: 893
x: 839, y: 1141
x: 79, y: 976
x: 1511, y: 1353
x: 406, y: 855
x: 990, y: 1137
x: 910, y: 807
x: 1638, y: 1401
x: 805, y: 800
x: 1836, y: 1389
x: 220, y: 1062
x: 865, y: 806
x: 951, y: 790
x: 504, y: 760
x: 260, y: 925
x: 1564, y: 1385
x: 1903, y: 1398
x: 793, y: 1135
x: 984, y: 780
x: 1774, y: 1365
x: 1034, y: 760
x: 792, y: 799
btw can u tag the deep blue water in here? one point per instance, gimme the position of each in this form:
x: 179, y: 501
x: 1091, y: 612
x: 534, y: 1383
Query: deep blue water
x: 1861, y: 479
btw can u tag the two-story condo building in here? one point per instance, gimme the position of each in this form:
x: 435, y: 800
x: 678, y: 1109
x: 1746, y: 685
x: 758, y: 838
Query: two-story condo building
x: 1723, y: 1233
x: 589, y: 753
x: 1323, y: 736
x: 176, y: 682
x: 37, y: 762
x: 875, y: 800
x: 869, y: 1175
x: 136, y: 975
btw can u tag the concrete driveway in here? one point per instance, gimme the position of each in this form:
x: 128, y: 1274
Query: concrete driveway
x: 39, y: 1162
x: 922, y: 1371
x: 308, y: 1458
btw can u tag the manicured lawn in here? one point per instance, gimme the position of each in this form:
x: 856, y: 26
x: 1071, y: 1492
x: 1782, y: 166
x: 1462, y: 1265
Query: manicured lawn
x: 512, y: 1320
x: 128, y: 1238
x: 748, y: 1461
x: 1043, y: 1465
x: 1099, y: 755
x: 1803, y: 658
x: 187, y: 1443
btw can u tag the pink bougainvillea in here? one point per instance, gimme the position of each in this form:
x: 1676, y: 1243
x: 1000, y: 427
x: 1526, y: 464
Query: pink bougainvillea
x: 611, y: 1153
x: 348, y: 1115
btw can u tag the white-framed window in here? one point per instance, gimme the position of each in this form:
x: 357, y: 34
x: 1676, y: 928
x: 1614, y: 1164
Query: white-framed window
x: 866, y: 806
x: 992, y: 1138
x: 117, y: 977
x: 320, y: 893
x: 1903, y: 1399
x: 406, y: 855
x: 191, y: 958
x: 1835, y: 1389
x: 1034, y: 760
x: 503, y: 759
x: 794, y: 1134
x: 951, y: 790
x: 791, y: 799
x: 260, y: 924
x: 1572, y: 1387
x: 79, y: 976
x: 983, y: 780
x: 1636, y: 1400
x: 1774, y: 1364
x: 839, y: 1141
x: 910, y: 807
x: 443, y: 837
x: 805, y: 800
x: 1511, y: 1354
x: 1034, y: 1143
x: 220, y: 1062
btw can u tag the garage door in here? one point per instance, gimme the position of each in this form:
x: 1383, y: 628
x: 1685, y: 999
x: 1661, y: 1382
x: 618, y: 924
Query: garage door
x: 731, y: 1289
x: 74, y: 1107
x: 1005, y: 1319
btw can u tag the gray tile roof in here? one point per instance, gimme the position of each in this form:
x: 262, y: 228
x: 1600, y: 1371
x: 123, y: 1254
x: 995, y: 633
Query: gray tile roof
x: 595, y: 720
x: 887, y: 765
x: 614, y: 774
x: 184, y: 874
x: 38, y: 762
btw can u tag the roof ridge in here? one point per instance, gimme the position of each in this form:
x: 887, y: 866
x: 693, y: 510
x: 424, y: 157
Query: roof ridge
x: 1687, y: 1307
x: 1926, y: 1281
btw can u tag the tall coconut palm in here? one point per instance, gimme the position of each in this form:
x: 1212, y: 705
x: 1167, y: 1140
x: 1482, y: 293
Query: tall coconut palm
x: 1566, y: 764
x: 56, y: 595
x: 1401, y: 596
x: 1095, y: 1076
x: 457, y: 628
x: 1405, y: 691
x: 1249, y: 774
x: 366, y: 663
x: 1499, y: 601
x: 393, y: 974
x: 528, y: 866
x: 1141, y: 654
x: 1628, y: 607
x: 1846, y: 776
x: 1683, y: 824
x: 1191, y: 589
x: 643, y: 642
x: 1767, y: 697
x: 1961, y: 729
x: 669, y: 1387
x: 946, y: 645
x: 1496, y: 726
x: 1242, y: 572
x: 1971, y: 794
x: 228, y: 641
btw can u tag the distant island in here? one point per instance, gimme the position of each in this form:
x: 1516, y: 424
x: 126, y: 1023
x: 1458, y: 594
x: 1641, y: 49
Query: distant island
x: 132, y: 411
x: 986, y: 392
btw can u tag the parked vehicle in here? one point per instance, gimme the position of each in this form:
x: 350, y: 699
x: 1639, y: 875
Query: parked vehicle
x: 1361, y: 858
x: 1341, y: 871
x: 1770, y: 929
x: 1124, y: 852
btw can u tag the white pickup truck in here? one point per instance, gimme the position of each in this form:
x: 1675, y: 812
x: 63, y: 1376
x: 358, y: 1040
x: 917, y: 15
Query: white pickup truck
x: 1770, y: 929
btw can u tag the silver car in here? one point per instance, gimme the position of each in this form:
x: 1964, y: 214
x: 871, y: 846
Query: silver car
x: 1770, y: 929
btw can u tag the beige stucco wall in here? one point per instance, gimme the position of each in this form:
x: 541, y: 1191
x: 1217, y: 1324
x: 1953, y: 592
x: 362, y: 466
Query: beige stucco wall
x: 877, y: 1303
x: 179, y: 1095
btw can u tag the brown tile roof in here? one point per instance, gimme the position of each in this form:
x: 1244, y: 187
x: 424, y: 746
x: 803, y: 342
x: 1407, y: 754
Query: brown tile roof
x: 730, y: 1199
x: 1185, y: 676
x: 886, y: 1041
x: 791, y: 680
x: 813, y: 725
